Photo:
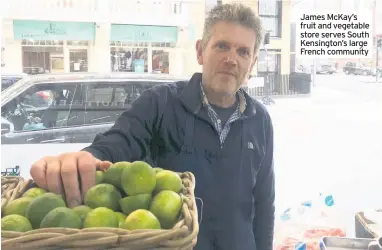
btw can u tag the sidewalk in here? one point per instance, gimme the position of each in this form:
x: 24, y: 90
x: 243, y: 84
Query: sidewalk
x: 329, y: 141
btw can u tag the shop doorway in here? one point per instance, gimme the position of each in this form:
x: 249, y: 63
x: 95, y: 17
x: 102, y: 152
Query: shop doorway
x: 160, y: 62
x: 78, y: 60
x: 129, y: 59
x: 57, y: 64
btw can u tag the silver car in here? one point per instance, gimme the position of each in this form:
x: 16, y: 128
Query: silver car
x: 69, y: 108
x: 57, y: 113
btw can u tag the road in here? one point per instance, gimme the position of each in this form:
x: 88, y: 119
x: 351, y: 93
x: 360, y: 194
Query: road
x: 330, y: 142
x: 364, y: 87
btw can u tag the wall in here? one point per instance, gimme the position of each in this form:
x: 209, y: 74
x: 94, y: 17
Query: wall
x: 13, y: 52
x: 99, y: 49
x: 194, y: 32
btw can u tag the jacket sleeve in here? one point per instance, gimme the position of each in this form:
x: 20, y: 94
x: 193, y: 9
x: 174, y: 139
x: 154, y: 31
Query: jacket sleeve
x: 264, y: 193
x: 130, y: 137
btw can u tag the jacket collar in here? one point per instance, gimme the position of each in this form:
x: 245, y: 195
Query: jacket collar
x: 193, y: 98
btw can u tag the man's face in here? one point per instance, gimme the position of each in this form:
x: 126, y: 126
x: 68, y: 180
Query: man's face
x: 228, y: 57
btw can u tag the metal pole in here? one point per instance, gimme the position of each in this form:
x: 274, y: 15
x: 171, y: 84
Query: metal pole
x: 376, y: 60
x: 267, y: 81
x: 314, y: 60
x: 267, y: 100
x: 376, y: 40
x: 314, y: 72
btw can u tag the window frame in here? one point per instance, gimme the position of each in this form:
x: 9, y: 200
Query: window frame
x: 276, y: 16
x: 271, y: 52
x: 123, y: 83
x: 40, y: 87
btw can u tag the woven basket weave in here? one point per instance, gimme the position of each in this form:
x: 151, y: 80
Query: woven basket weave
x: 182, y: 236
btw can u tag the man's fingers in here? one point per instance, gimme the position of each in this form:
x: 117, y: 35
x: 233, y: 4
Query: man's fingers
x: 69, y: 175
x: 38, y: 173
x: 87, y: 170
x: 53, y: 175
x: 104, y: 165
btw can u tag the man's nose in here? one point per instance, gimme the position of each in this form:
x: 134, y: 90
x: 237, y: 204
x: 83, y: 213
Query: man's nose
x: 230, y: 58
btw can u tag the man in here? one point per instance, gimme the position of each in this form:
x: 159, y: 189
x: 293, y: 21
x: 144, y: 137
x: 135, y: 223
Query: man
x: 208, y: 126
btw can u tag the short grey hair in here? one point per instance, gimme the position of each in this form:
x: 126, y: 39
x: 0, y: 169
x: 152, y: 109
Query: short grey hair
x: 234, y: 13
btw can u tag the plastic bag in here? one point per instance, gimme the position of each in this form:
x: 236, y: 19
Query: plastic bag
x: 302, y: 227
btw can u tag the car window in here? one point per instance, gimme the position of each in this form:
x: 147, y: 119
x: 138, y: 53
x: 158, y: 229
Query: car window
x: 8, y: 81
x: 106, y: 101
x: 43, y: 107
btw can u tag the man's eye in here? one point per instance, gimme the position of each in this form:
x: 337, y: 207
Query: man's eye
x: 221, y: 46
x: 244, y: 52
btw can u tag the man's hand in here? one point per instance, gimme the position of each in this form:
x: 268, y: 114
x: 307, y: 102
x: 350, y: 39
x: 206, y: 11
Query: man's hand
x: 70, y: 174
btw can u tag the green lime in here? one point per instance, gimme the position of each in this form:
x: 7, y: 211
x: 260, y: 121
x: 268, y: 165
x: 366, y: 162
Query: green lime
x: 34, y: 192
x: 103, y: 195
x: 18, y: 206
x: 166, y: 206
x: 41, y: 206
x: 101, y: 217
x: 99, y: 177
x: 62, y: 217
x: 16, y: 223
x: 141, y: 219
x: 138, y: 178
x: 82, y: 211
x: 168, y: 180
x: 132, y: 203
x: 114, y: 173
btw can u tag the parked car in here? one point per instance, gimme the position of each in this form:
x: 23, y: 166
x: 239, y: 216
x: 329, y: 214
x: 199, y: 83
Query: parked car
x: 75, y: 107
x: 326, y: 67
x: 379, y: 71
x: 8, y: 79
x: 356, y: 69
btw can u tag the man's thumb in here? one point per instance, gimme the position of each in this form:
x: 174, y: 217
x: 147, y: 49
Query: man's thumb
x: 104, y: 165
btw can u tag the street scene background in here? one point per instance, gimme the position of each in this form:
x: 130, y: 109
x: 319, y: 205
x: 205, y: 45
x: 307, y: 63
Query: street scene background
x: 327, y: 127
x: 330, y: 142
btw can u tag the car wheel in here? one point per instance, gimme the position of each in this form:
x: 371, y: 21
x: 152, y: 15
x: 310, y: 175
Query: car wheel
x: 365, y: 73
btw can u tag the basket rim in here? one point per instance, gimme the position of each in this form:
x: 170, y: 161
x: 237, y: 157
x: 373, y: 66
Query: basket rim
x: 187, y: 225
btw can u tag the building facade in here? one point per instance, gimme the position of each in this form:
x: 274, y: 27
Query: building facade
x: 81, y: 36
x: 273, y: 64
x: 275, y: 15
x: 156, y: 36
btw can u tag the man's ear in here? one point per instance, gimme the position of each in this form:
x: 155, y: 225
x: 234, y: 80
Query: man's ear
x: 199, y: 52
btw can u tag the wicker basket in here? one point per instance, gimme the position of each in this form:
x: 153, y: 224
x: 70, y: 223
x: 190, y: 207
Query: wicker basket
x: 8, y: 184
x: 182, y: 236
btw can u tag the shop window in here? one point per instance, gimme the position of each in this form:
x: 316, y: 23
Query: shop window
x: 272, y: 65
x: 78, y: 60
x: 42, y: 42
x: 270, y: 12
x: 160, y: 62
x: 77, y: 43
x: 177, y: 8
x: 129, y: 60
x: 42, y: 59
